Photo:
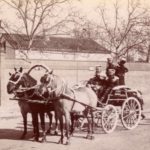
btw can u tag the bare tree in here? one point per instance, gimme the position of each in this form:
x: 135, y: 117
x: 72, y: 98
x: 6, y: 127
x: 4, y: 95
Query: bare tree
x: 145, y: 22
x: 121, y: 33
x: 33, y: 13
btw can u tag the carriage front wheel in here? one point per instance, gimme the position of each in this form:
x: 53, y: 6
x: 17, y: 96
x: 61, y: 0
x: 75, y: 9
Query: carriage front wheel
x: 131, y: 113
x: 109, y: 118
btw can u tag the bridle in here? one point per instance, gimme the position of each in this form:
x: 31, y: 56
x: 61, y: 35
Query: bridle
x: 18, y: 80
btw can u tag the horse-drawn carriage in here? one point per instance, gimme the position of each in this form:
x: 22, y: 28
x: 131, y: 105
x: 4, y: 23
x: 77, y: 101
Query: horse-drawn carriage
x: 107, y: 114
x: 128, y: 104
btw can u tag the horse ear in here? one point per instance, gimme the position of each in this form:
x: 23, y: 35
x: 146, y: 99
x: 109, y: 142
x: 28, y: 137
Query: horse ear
x: 15, y: 69
x: 10, y: 74
x: 21, y: 69
x: 51, y: 72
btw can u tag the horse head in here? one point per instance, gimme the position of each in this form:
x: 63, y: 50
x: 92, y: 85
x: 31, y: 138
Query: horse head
x: 52, y: 84
x: 18, y: 79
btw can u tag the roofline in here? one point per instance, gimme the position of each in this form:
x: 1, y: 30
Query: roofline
x: 105, y: 51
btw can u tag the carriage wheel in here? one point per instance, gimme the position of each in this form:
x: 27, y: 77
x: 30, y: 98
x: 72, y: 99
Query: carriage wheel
x: 109, y: 118
x: 131, y: 113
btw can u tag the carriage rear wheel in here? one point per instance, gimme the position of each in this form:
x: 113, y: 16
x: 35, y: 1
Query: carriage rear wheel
x: 131, y: 113
x: 109, y: 118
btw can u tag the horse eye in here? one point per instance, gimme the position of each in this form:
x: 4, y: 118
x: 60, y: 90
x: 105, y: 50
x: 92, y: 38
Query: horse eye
x: 15, y: 77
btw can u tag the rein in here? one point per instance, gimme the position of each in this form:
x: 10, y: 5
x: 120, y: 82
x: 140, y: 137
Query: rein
x: 73, y: 98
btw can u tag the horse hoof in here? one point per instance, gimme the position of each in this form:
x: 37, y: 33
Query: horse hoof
x: 87, y: 137
x: 67, y: 143
x: 60, y: 141
x: 43, y: 140
x: 90, y: 137
x: 36, y: 139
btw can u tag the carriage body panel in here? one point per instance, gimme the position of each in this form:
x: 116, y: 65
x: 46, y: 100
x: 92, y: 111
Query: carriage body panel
x: 119, y: 94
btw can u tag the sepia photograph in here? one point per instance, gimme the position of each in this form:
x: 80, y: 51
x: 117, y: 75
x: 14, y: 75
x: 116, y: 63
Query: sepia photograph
x: 74, y: 74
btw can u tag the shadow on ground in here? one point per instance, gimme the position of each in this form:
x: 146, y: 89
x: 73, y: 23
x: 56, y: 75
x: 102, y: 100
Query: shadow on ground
x: 13, y: 134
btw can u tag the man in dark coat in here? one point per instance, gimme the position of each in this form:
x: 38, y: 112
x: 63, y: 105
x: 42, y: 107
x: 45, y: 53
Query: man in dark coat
x: 110, y: 65
x: 111, y: 82
x: 98, y: 82
x: 121, y: 70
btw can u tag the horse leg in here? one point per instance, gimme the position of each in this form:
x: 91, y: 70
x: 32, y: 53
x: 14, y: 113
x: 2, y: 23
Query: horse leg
x: 67, y: 119
x: 90, y: 120
x: 72, y: 123
x: 24, y: 115
x: 50, y: 116
x: 56, y: 125
x: 61, y: 130
x: 35, y: 125
x: 42, y: 118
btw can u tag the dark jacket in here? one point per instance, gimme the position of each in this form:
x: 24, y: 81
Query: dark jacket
x: 96, y: 80
x: 110, y: 66
x: 120, y: 72
x: 112, y: 82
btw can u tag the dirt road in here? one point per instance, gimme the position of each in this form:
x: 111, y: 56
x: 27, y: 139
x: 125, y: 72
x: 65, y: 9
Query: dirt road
x: 121, y: 139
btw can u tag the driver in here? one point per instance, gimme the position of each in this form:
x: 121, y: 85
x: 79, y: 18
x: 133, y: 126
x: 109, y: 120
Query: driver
x: 98, y: 82
x: 111, y: 82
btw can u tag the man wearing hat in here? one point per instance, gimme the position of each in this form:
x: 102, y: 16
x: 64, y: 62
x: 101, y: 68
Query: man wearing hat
x: 110, y: 65
x: 98, y: 82
x: 121, y: 70
x: 111, y: 82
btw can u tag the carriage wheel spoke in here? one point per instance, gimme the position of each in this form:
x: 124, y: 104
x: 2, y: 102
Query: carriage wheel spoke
x: 131, y: 111
x: 126, y: 116
x: 127, y: 106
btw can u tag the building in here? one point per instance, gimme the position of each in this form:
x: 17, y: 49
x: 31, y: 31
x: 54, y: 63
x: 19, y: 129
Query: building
x: 15, y: 46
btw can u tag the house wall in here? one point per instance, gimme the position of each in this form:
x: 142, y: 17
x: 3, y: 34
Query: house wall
x: 55, y: 55
x: 10, y: 52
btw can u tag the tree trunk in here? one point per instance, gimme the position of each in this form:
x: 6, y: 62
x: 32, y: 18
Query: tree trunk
x: 148, y: 55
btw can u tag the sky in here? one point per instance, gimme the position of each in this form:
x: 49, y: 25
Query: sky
x: 87, y: 8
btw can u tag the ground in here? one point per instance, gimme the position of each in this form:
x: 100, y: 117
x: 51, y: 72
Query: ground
x: 138, y: 139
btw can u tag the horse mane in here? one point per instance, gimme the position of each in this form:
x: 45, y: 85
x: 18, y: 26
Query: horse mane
x: 59, y: 85
x: 30, y: 81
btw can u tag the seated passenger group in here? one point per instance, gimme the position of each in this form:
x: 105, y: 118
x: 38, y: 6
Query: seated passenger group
x: 114, y: 76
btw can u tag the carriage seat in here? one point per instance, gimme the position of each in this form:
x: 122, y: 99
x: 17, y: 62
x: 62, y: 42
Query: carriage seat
x: 118, y: 92
x: 120, y: 87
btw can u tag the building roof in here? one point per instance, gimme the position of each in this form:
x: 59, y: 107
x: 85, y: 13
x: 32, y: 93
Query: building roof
x: 60, y: 44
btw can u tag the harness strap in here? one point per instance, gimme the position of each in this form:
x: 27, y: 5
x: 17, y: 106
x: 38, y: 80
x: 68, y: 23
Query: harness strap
x: 15, y: 82
x: 74, y: 98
